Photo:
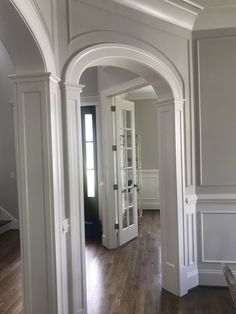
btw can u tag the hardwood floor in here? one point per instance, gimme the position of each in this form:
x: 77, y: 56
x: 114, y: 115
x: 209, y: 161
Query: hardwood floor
x: 122, y: 281
x: 128, y: 280
x: 10, y: 273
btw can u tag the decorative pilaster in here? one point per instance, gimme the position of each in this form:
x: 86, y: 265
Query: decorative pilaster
x: 40, y: 189
x: 74, y: 197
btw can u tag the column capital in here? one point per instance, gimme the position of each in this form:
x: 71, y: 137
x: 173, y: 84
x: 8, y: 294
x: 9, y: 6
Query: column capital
x: 34, y: 77
x: 72, y: 86
x: 167, y: 102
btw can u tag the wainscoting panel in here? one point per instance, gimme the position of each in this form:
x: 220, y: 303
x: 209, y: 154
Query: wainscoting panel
x: 216, y: 237
x: 218, y: 233
x: 150, y: 198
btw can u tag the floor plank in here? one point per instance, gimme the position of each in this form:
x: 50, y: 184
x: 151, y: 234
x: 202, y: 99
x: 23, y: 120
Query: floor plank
x: 122, y: 281
x: 10, y: 273
x: 128, y: 280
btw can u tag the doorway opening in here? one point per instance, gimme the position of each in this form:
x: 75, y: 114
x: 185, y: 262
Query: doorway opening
x: 10, y: 256
x: 127, y: 164
x: 177, y: 276
x: 90, y: 173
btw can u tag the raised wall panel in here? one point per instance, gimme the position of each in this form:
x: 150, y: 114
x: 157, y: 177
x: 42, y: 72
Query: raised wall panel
x: 40, y: 191
x: 35, y: 204
x: 217, y: 111
x: 218, y: 234
x: 216, y: 237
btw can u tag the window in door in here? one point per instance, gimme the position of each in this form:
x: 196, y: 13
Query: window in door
x: 89, y: 143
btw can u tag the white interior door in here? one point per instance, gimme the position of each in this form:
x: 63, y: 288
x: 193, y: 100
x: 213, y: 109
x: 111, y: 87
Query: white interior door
x: 126, y: 170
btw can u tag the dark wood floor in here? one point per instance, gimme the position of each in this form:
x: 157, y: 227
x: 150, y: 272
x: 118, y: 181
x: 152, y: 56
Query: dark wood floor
x: 10, y: 273
x: 122, y: 281
x: 128, y: 280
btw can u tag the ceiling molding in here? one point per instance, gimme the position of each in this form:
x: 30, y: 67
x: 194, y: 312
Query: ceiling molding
x: 188, y: 6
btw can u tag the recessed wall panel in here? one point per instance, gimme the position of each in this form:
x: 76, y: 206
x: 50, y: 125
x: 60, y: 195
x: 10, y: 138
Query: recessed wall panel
x: 218, y: 234
x: 217, y: 111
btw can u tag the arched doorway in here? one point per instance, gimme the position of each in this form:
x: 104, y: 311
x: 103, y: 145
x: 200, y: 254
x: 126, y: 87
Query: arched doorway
x: 37, y: 140
x: 176, y: 270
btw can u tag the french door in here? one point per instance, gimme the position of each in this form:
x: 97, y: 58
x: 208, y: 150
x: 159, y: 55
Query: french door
x: 125, y: 164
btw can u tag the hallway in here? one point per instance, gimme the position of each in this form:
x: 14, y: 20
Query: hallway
x: 128, y: 280
x: 122, y: 281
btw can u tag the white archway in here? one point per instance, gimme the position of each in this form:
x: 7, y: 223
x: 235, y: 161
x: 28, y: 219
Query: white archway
x: 38, y: 143
x: 174, y: 247
x: 106, y: 53
x: 35, y: 26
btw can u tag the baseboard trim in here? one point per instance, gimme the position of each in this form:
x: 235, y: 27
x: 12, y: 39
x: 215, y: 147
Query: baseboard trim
x: 5, y: 215
x: 212, y: 277
x: 193, y: 279
x: 150, y: 204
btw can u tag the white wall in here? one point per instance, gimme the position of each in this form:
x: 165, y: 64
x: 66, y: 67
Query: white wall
x: 146, y: 126
x: 215, y: 68
x: 111, y: 76
x: 90, y: 81
x: 8, y: 188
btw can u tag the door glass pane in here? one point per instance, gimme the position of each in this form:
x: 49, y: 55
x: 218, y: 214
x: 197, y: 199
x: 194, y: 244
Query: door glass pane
x: 131, y: 196
x: 130, y: 177
x: 131, y: 216
x: 123, y: 160
x: 124, y: 198
x: 124, y: 180
x: 128, y: 119
x: 88, y: 127
x: 123, y: 118
x: 129, y: 138
x: 125, y: 219
x: 129, y: 158
x: 91, y: 183
x: 122, y: 139
x: 89, y: 156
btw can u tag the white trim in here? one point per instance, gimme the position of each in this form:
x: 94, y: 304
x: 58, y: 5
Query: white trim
x: 89, y: 101
x: 107, y: 54
x: 93, y: 55
x: 212, y: 277
x: 34, y: 77
x: 215, y: 199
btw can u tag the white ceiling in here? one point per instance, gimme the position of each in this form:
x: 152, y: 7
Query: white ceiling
x: 185, y: 13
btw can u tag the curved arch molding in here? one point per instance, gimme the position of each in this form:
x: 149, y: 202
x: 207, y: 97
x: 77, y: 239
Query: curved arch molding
x: 110, y: 52
x: 35, y: 25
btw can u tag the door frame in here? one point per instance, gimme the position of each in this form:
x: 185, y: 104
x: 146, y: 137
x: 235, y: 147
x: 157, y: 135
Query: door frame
x: 109, y: 217
x: 112, y: 55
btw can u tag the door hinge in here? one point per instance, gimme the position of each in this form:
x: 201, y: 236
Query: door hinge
x: 113, y: 108
x: 65, y: 226
x: 115, y: 187
x: 114, y: 148
x: 116, y: 226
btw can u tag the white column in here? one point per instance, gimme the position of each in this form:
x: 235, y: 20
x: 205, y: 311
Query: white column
x: 75, y: 198
x: 40, y: 191
x: 177, y: 227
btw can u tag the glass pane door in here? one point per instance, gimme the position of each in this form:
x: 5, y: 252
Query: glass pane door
x: 126, y: 170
